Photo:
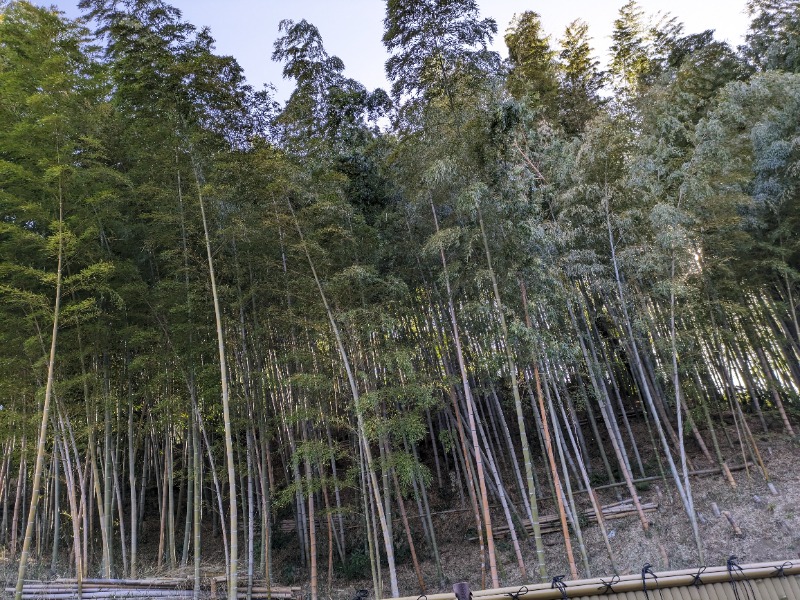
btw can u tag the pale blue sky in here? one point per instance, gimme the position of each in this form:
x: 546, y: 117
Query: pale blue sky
x: 352, y: 29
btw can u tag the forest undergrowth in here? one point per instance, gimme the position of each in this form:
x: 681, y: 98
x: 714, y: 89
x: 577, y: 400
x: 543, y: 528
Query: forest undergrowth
x: 769, y: 524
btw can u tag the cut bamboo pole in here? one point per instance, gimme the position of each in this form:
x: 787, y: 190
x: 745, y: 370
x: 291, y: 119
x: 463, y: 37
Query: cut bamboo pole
x: 737, y: 531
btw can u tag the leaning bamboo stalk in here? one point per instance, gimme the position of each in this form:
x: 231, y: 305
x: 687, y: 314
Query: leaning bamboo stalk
x: 598, y: 511
x: 132, y: 485
x: 421, y: 496
x: 56, y: 496
x: 502, y: 495
x: 683, y: 492
x: 377, y: 585
x: 226, y: 413
x: 364, y: 441
x: 560, y: 446
x: 679, y: 402
x: 526, y: 451
x: 163, y: 516
x: 250, y: 511
x: 496, y: 407
x: 266, y: 487
x: 551, y: 458
x: 312, y: 529
x: 407, y: 529
x: 329, y: 523
x: 627, y: 477
x: 197, y: 478
x: 118, y: 494
x: 484, y: 496
x: 69, y: 477
x: 48, y: 394
x: 215, y: 480
x: 468, y: 475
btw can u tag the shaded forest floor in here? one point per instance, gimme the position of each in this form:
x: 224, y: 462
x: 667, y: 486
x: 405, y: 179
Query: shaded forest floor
x: 770, y: 526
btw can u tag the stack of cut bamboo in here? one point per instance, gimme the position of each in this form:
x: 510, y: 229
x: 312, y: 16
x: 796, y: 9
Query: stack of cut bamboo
x: 552, y: 523
x: 260, y: 589
x: 130, y: 589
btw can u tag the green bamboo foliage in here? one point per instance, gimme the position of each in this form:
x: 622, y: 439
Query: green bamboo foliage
x: 287, y: 338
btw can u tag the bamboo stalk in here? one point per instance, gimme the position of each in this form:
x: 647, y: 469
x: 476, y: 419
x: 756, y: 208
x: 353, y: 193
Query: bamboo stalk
x: 737, y: 531
x: 548, y: 444
x: 48, y: 394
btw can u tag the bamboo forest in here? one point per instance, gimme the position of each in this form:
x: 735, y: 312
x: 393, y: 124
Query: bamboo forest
x: 510, y: 319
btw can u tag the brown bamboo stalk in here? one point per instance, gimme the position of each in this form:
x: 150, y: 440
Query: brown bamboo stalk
x: 409, y: 537
x: 551, y: 458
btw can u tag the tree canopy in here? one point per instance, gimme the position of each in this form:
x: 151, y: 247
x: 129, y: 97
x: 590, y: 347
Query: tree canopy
x: 301, y: 330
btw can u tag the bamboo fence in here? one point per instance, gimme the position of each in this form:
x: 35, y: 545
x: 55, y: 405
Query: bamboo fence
x: 759, y: 581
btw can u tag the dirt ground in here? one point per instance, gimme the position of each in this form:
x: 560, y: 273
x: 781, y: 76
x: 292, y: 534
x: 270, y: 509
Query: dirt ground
x: 770, y: 531
x: 770, y: 526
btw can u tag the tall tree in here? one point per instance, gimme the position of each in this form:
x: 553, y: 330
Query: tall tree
x: 533, y: 62
x: 581, y: 80
x: 325, y: 107
x: 164, y: 68
x: 47, y: 80
x: 630, y: 61
x: 436, y: 47
x: 773, y: 41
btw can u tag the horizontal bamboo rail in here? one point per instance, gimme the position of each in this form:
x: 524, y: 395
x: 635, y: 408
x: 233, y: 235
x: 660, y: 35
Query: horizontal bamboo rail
x: 697, y: 473
x: 152, y: 581
x: 551, y: 523
x: 631, y: 583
